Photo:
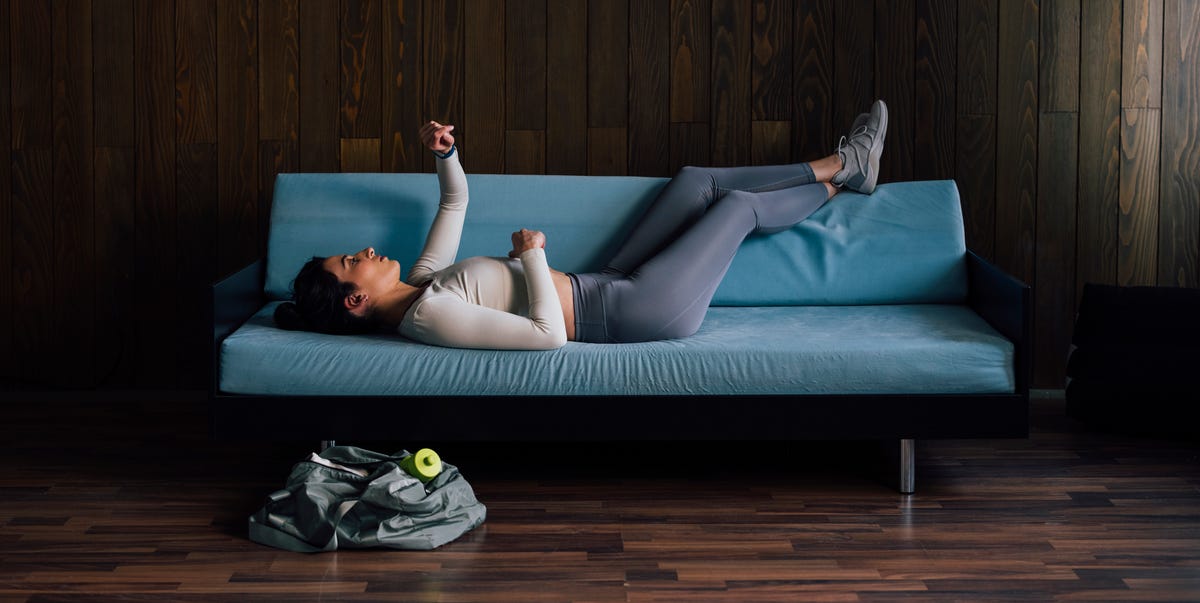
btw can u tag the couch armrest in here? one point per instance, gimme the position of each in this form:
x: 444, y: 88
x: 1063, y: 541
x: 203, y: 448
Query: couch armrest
x: 1006, y: 304
x: 233, y: 300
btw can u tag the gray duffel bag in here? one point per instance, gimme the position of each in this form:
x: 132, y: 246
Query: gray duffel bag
x: 349, y: 497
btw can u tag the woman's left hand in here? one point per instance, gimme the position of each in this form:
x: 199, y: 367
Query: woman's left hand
x: 523, y: 240
x: 436, y: 137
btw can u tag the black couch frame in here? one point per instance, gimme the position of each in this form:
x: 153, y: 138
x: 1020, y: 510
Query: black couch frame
x: 1003, y: 301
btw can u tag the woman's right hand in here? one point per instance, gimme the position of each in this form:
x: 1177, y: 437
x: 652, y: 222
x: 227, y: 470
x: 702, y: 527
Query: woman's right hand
x: 523, y: 240
x: 436, y: 137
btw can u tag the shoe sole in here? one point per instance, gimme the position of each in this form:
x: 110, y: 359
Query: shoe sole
x: 876, y: 151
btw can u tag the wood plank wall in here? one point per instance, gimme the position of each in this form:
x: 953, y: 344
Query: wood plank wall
x: 141, y: 137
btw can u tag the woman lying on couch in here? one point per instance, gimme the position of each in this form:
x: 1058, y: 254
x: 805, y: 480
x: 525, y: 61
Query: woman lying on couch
x: 657, y: 286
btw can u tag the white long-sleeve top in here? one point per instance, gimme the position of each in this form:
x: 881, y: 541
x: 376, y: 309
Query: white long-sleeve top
x: 481, y: 302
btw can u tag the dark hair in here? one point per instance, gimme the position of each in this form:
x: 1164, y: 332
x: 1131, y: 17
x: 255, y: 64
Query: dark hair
x: 317, y: 304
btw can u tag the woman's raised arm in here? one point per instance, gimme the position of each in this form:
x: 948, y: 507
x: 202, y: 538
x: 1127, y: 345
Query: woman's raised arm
x: 441, y: 244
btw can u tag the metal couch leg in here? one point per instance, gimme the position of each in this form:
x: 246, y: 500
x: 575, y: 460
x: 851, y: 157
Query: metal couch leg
x: 326, y: 445
x: 908, y: 465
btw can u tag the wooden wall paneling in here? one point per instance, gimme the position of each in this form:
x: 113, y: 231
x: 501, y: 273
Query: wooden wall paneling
x: 1141, y: 95
x: 112, y: 62
x: 278, y: 102
x: 731, y: 81
x: 115, y: 347
x: 935, y: 89
x: 525, y: 106
x: 649, y: 88
x: 771, y: 60
x: 196, y: 84
x: 195, y: 71
x: 607, y: 151
x: 361, y: 67
x: 770, y: 142
x: 195, y: 193
x: 1141, y: 54
x: 608, y: 87
x: 1016, y: 137
x: 524, y: 50
x: 484, y: 79
x: 977, y: 56
x: 1137, y: 254
x: 975, y: 172
x: 442, y: 72
x: 691, y: 26
x: 854, y: 61
x: 156, y: 266
x: 74, y: 203
x: 689, y: 145
x: 278, y: 70
x: 691, y: 62
x: 360, y: 155
x: 608, y: 64
x: 320, y: 119
x: 895, y: 57
x: 525, y: 152
x: 1179, y: 220
x: 114, y: 127
x: 1059, y: 55
x: 401, y: 149
x: 1054, y: 285
x: 1058, y: 168
x: 566, y: 87
x: 33, y: 310
x: 195, y: 177
x: 34, y: 321
x: 237, y: 134
x: 1099, y: 142
x: 6, y: 225
x: 812, y: 78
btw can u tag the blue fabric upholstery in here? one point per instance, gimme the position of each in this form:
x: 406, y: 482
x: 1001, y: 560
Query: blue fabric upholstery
x: 893, y: 349
x: 903, y: 244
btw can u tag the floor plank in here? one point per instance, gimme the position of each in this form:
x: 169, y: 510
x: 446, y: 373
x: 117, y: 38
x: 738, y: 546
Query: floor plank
x: 111, y: 496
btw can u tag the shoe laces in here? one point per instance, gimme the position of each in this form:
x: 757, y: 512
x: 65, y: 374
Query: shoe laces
x: 842, y: 144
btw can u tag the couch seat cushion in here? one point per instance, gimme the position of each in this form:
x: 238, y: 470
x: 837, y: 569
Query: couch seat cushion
x: 900, y: 349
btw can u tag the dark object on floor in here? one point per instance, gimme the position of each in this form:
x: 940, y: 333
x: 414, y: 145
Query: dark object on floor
x: 1135, y: 364
x: 352, y: 498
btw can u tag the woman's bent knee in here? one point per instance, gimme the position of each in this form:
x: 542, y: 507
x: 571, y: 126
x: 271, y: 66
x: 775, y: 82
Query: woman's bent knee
x: 699, y: 175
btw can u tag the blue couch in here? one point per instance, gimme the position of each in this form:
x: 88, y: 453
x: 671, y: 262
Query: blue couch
x: 869, y: 320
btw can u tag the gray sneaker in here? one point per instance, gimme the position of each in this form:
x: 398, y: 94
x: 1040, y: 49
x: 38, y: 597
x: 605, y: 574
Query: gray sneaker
x: 859, y: 121
x: 860, y: 151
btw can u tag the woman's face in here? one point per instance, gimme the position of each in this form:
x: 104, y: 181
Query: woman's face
x: 373, y: 274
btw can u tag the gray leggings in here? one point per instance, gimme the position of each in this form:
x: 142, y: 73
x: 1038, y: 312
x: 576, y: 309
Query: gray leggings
x: 659, y: 283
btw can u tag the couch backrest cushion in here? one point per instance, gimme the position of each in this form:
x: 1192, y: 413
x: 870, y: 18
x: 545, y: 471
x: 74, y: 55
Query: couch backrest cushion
x: 903, y: 244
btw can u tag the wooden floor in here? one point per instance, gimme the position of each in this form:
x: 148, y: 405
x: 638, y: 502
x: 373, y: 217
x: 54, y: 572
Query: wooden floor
x: 123, y: 498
